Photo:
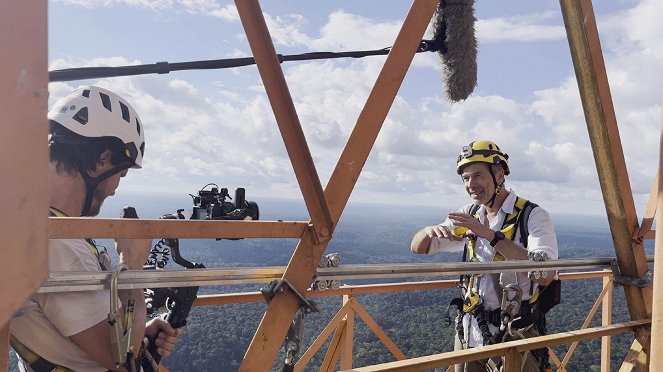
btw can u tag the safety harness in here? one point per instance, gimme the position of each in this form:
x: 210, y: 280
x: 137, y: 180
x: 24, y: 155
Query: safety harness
x: 472, y: 302
x: 513, y: 313
x: 32, y: 359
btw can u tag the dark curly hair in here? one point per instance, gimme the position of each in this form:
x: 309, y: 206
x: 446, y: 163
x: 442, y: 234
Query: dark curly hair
x: 73, y: 152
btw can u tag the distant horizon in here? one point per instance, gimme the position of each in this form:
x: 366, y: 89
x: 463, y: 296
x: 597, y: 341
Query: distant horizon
x: 399, y: 207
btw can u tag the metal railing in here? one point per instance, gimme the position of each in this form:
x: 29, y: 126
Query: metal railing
x: 342, y: 324
x: 132, y: 279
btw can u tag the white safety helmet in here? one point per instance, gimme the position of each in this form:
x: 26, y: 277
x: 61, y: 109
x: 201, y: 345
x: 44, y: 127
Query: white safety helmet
x: 93, y: 112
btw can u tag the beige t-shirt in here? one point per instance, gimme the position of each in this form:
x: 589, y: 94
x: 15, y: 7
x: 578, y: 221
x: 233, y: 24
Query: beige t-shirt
x: 45, y: 322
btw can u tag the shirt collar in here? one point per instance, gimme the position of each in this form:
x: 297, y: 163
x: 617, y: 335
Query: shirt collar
x: 507, y: 206
x: 509, y: 202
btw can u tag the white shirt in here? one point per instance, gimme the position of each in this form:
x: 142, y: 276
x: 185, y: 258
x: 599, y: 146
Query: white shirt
x: 541, y: 238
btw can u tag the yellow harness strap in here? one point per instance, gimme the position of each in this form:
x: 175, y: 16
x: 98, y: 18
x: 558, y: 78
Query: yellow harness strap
x: 508, y: 227
x: 36, y: 363
x: 535, y: 296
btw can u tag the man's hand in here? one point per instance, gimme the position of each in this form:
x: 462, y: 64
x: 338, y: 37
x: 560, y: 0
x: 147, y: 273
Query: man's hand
x: 164, y: 335
x: 421, y: 240
x: 133, y: 252
x: 476, y: 227
x: 440, y: 232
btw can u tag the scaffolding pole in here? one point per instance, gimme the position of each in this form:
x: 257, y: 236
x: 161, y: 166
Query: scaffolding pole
x: 23, y: 161
x: 656, y: 355
x: 606, y: 144
x: 272, y: 328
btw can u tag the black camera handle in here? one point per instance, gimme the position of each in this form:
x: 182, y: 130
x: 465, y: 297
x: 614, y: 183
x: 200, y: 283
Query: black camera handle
x: 177, y: 300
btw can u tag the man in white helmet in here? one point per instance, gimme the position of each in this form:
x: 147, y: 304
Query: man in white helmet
x: 497, y: 225
x: 95, y: 137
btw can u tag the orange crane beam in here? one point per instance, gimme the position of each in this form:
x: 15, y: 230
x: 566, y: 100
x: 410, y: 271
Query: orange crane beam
x: 599, y: 112
x: 656, y: 356
x: 274, y: 325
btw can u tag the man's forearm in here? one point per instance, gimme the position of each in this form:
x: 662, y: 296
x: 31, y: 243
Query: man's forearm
x: 420, y: 242
x: 511, y: 250
x: 140, y: 315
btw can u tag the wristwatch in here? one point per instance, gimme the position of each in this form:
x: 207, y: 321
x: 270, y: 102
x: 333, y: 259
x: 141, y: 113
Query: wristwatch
x: 499, y: 236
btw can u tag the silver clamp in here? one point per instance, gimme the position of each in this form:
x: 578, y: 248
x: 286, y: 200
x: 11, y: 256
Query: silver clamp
x: 295, y: 335
x: 644, y: 281
x: 510, y: 306
x: 279, y: 286
x: 120, y: 334
x: 329, y: 260
x: 538, y: 256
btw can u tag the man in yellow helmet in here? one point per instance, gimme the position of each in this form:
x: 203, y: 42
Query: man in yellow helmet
x: 496, y: 225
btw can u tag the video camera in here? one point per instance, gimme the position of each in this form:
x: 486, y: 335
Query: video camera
x: 212, y: 205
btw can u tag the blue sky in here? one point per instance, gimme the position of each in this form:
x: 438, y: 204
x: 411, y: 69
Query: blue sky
x: 217, y: 126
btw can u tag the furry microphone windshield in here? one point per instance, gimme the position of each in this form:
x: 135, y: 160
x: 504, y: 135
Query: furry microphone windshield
x: 454, y: 31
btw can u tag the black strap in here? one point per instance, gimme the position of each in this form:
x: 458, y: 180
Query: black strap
x: 528, y: 315
x: 91, y: 184
x: 523, y: 219
x: 42, y: 365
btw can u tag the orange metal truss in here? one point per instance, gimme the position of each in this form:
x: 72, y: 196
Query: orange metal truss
x: 23, y: 99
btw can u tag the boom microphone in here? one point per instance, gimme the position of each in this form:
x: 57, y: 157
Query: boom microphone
x: 454, y: 31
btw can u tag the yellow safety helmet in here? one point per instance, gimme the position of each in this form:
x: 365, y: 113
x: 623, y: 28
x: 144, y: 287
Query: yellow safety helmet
x: 482, y: 151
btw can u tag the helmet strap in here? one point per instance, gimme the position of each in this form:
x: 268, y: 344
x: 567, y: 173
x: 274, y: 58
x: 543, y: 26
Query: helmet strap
x: 491, y: 202
x: 91, y: 184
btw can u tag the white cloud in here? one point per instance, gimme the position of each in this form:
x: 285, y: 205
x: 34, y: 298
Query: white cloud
x: 346, y: 31
x: 519, y: 29
x: 60, y: 63
x: 635, y: 29
x: 149, y: 4
x: 200, y: 131
x: 183, y: 86
x: 227, y: 13
x: 560, y: 109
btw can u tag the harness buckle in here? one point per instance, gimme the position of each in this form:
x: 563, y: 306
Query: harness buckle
x: 472, y: 300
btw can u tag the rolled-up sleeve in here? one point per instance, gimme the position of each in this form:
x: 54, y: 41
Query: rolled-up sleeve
x: 438, y: 245
x: 542, y: 233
